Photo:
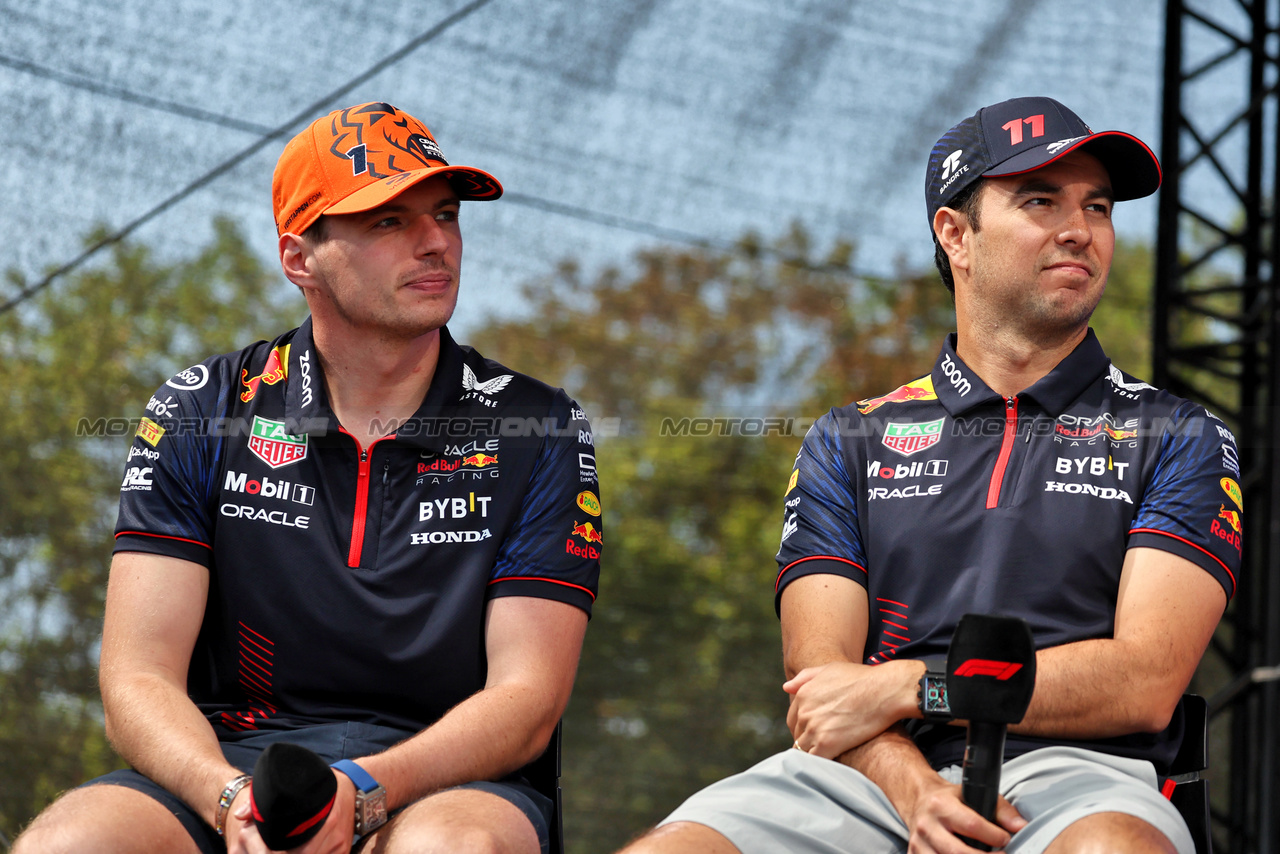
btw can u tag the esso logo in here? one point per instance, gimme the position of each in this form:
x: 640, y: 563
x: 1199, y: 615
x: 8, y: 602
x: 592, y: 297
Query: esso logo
x: 191, y: 379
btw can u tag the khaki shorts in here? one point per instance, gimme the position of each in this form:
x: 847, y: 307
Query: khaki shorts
x: 796, y: 802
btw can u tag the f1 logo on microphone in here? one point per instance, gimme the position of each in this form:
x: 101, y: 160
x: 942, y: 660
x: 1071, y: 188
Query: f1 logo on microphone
x: 1002, y: 670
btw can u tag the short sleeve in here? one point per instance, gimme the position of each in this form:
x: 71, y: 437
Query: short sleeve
x: 553, y: 550
x: 164, y: 493
x: 820, y: 513
x: 1193, y: 506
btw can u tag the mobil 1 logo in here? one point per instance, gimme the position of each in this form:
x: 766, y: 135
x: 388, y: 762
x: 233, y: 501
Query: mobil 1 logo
x: 267, y: 487
x: 919, y: 468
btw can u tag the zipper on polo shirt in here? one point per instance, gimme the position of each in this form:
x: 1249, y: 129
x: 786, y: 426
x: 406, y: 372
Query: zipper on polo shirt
x: 1006, y: 448
x: 362, y: 500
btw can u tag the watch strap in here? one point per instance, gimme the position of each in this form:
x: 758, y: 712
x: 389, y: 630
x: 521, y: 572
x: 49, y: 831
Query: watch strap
x: 363, y: 779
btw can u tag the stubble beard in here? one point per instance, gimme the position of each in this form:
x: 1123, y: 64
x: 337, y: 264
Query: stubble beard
x: 1036, y: 315
x: 388, y: 322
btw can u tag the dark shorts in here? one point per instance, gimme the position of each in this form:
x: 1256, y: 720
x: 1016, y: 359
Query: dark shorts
x: 332, y: 742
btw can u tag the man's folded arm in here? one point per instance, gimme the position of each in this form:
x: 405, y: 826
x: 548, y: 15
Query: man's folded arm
x: 1166, y: 612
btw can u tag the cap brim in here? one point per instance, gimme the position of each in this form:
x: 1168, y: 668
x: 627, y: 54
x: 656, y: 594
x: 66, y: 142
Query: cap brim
x: 1133, y: 167
x: 469, y: 183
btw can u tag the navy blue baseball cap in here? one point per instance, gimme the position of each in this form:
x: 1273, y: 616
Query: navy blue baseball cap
x: 1023, y: 134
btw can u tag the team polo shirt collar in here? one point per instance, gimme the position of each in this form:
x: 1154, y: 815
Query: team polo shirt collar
x: 1067, y: 382
x: 960, y: 389
x: 307, y: 408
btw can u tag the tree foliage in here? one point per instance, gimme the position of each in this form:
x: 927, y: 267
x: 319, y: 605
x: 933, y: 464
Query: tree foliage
x: 77, y: 365
x: 1123, y: 320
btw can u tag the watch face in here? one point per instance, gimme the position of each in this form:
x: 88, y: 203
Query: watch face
x: 371, y: 810
x: 933, y: 696
x: 375, y: 814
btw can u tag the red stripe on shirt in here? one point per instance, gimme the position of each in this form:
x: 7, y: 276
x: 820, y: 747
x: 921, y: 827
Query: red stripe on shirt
x: 1193, y: 545
x: 548, y: 580
x: 815, y: 557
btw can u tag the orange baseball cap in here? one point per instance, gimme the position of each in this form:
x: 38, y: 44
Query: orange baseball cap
x: 358, y: 158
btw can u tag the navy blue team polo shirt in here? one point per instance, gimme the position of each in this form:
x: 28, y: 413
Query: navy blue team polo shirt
x: 350, y: 583
x: 943, y: 498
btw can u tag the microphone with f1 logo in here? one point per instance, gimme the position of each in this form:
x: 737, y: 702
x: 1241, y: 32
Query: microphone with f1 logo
x: 991, y: 674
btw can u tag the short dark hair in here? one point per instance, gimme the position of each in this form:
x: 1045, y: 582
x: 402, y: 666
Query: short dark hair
x: 965, y: 203
x: 318, y: 231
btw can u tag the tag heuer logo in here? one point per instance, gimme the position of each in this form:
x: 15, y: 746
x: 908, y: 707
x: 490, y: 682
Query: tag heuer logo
x: 911, y: 438
x: 273, y: 445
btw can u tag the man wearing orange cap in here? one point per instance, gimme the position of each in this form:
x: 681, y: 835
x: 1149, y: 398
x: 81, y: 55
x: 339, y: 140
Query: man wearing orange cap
x: 359, y: 537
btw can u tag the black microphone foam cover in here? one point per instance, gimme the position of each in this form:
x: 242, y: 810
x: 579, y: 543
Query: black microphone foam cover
x: 292, y: 795
x: 991, y: 669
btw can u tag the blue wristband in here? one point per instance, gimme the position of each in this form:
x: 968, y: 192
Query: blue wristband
x: 363, y: 779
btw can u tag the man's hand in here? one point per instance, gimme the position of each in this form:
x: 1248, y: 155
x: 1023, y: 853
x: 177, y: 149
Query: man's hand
x: 839, y: 706
x: 335, y: 835
x: 239, y: 831
x: 937, y: 816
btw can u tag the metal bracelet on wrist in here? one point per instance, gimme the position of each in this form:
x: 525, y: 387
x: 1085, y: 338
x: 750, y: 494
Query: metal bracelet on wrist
x: 228, y: 795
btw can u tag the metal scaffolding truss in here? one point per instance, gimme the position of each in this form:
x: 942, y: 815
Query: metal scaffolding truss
x: 1216, y: 334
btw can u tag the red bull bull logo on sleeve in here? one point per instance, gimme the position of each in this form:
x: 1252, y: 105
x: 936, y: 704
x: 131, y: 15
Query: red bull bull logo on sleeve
x: 588, y: 532
x: 1232, y: 530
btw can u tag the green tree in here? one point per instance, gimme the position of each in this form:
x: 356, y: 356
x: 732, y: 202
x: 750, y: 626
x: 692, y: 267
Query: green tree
x: 77, y: 364
x: 1123, y: 319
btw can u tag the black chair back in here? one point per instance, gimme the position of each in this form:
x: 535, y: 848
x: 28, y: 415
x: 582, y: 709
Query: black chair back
x: 1185, y: 788
x: 543, y: 774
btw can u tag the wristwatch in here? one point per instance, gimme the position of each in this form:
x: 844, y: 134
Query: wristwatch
x: 931, y: 696
x: 371, y: 798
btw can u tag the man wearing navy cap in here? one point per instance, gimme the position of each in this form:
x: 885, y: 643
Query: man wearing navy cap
x: 1024, y: 476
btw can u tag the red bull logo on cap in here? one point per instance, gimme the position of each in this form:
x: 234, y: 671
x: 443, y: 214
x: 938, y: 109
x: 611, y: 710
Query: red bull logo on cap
x: 921, y: 389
